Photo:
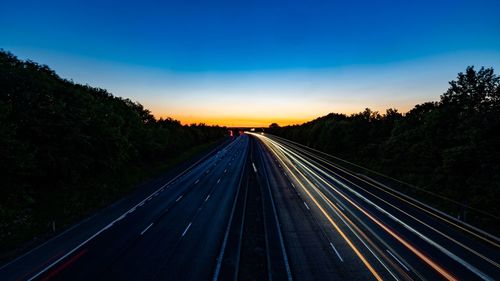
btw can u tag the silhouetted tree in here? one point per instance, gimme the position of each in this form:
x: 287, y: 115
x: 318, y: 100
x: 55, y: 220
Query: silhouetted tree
x: 64, y: 147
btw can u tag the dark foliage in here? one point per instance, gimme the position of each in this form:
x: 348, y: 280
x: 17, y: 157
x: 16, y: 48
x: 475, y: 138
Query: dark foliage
x: 450, y: 147
x: 60, y: 142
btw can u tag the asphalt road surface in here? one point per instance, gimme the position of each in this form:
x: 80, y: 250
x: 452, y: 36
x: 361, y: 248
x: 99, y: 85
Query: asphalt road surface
x: 262, y: 208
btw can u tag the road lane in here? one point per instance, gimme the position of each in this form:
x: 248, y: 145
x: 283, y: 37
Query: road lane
x: 42, y: 256
x: 309, y: 258
x: 417, y: 239
x: 122, y: 252
x: 446, y: 238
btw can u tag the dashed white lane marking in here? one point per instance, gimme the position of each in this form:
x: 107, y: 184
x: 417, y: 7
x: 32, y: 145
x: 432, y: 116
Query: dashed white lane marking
x: 306, y: 205
x: 180, y: 197
x: 218, y: 180
x: 174, y: 180
x: 187, y: 228
x: 206, y: 199
x: 292, y: 184
x: 146, y: 229
x: 401, y: 263
x: 197, y: 181
x: 336, y: 252
x: 254, y: 168
x: 225, y: 171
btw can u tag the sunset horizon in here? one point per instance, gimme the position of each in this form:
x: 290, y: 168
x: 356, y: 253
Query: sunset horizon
x: 260, y: 97
x: 252, y: 64
x: 297, y: 140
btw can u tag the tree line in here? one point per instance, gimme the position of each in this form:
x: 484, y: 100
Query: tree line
x: 66, y: 148
x: 450, y: 147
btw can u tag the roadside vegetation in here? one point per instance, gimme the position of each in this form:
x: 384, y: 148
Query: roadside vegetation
x: 67, y: 150
x: 450, y: 148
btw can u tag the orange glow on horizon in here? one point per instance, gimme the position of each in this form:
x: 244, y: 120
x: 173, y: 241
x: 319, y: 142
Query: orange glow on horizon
x: 243, y: 121
x: 262, y: 116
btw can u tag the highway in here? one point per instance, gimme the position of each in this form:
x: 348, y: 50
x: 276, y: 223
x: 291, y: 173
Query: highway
x: 263, y: 208
x: 395, y: 237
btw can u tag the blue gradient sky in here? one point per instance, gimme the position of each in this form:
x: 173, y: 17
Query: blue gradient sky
x: 255, y: 62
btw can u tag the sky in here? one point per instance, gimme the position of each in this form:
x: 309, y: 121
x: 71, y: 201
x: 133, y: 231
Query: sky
x: 251, y: 63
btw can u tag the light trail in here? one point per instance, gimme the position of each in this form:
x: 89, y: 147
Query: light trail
x: 472, y: 268
x: 398, y: 195
x: 303, y: 162
x: 300, y: 161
